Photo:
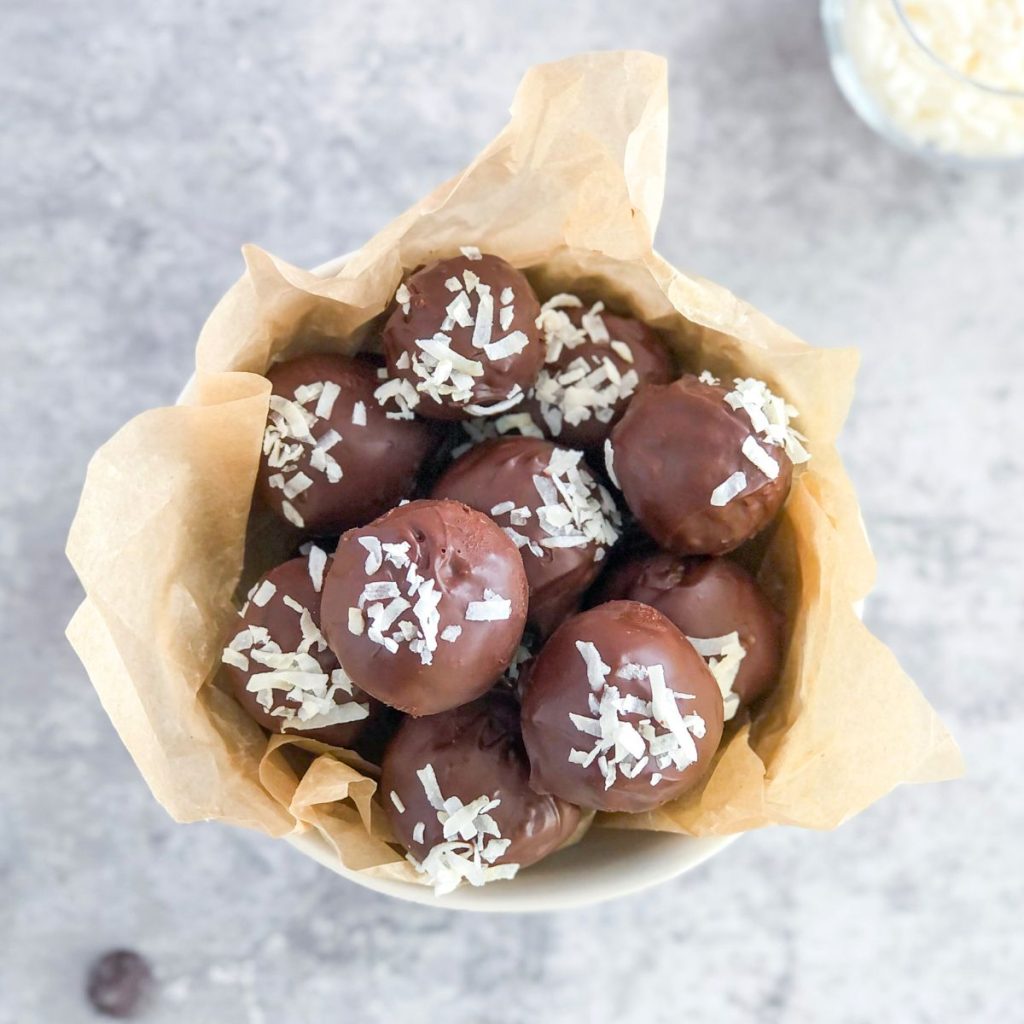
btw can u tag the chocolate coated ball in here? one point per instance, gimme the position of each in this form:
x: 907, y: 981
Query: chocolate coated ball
x: 425, y: 606
x: 707, y: 598
x: 473, y: 752
x: 620, y: 712
x: 678, y: 457
x: 595, y: 362
x: 463, y: 337
x: 332, y: 456
x: 279, y: 666
x: 545, y: 499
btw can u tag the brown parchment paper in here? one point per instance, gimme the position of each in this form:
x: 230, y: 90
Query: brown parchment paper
x: 570, y: 191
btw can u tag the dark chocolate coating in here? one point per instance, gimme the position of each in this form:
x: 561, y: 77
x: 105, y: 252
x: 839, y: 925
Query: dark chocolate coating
x: 706, y: 597
x: 475, y: 750
x: 292, y: 579
x: 502, y: 470
x: 466, y: 554
x: 651, y: 362
x: 379, y: 461
x: 428, y: 300
x: 624, y: 632
x: 673, y: 447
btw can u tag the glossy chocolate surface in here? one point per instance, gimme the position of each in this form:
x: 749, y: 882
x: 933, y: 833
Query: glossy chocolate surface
x: 475, y: 750
x: 624, y: 633
x: 378, y: 460
x: 706, y: 597
x: 647, y: 361
x: 674, y: 446
x: 501, y: 471
x: 283, y: 623
x: 462, y: 556
x: 429, y: 297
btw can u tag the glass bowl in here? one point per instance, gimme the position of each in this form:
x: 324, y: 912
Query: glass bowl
x: 913, y: 96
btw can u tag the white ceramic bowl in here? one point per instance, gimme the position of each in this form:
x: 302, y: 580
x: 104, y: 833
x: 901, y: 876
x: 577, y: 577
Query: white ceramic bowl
x: 607, y: 863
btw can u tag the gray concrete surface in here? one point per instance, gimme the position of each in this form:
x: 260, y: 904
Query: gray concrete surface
x: 141, y: 144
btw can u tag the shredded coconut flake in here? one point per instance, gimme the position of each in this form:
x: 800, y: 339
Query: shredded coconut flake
x: 264, y: 592
x: 471, y: 252
x: 235, y: 658
x: 769, y: 415
x: 397, y: 801
x: 317, y: 564
x: 328, y: 441
x: 493, y: 608
x: 724, y: 655
x: 510, y: 345
x: 374, y: 554
x: 294, y: 685
x: 609, y: 462
x: 597, y: 670
x: 658, y: 732
x: 515, y: 396
x: 291, y: 513
x: 298, y: 483
x: 759, y: 457
x: 359, y: 414
x: 472, y: 843
x: 325, y: 404
x: 573, y: 510
x: 729, y: 489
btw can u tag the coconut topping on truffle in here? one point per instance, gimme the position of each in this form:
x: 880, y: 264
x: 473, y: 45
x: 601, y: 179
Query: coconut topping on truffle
x: 444, y: 374
x: 770, y: 417
x: 729, y: 488
x: 479, y: 430
x: 472, y: 841
x: 724, y: 655
x: 392, y: 615
x: 289, y: 432
x: 309, y: 691
x: 662, y: 733
x: 576, y: 510
x: 579, y: 390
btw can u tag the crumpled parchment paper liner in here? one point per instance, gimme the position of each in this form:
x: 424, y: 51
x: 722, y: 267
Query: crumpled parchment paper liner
x: 571, y: 192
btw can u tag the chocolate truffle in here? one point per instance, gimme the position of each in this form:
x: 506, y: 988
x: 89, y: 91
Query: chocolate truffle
x: 333, y: 456
x: 462, y: 339
x: 594, y: 362
x: 544, y: 498
x: 425, y: 606
x: 620, y: 712
x: 279, y: 666
x: 703, y: 468
x: 456, y: 790
x: 720, y: 609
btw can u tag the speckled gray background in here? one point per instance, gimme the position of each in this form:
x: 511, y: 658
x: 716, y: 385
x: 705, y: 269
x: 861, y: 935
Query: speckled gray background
x: 141, y: 144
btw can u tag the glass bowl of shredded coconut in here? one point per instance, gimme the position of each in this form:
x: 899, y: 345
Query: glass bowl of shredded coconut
x: 944, y: 78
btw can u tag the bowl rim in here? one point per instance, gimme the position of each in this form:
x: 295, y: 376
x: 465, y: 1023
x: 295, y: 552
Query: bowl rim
x: 649, y: 857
